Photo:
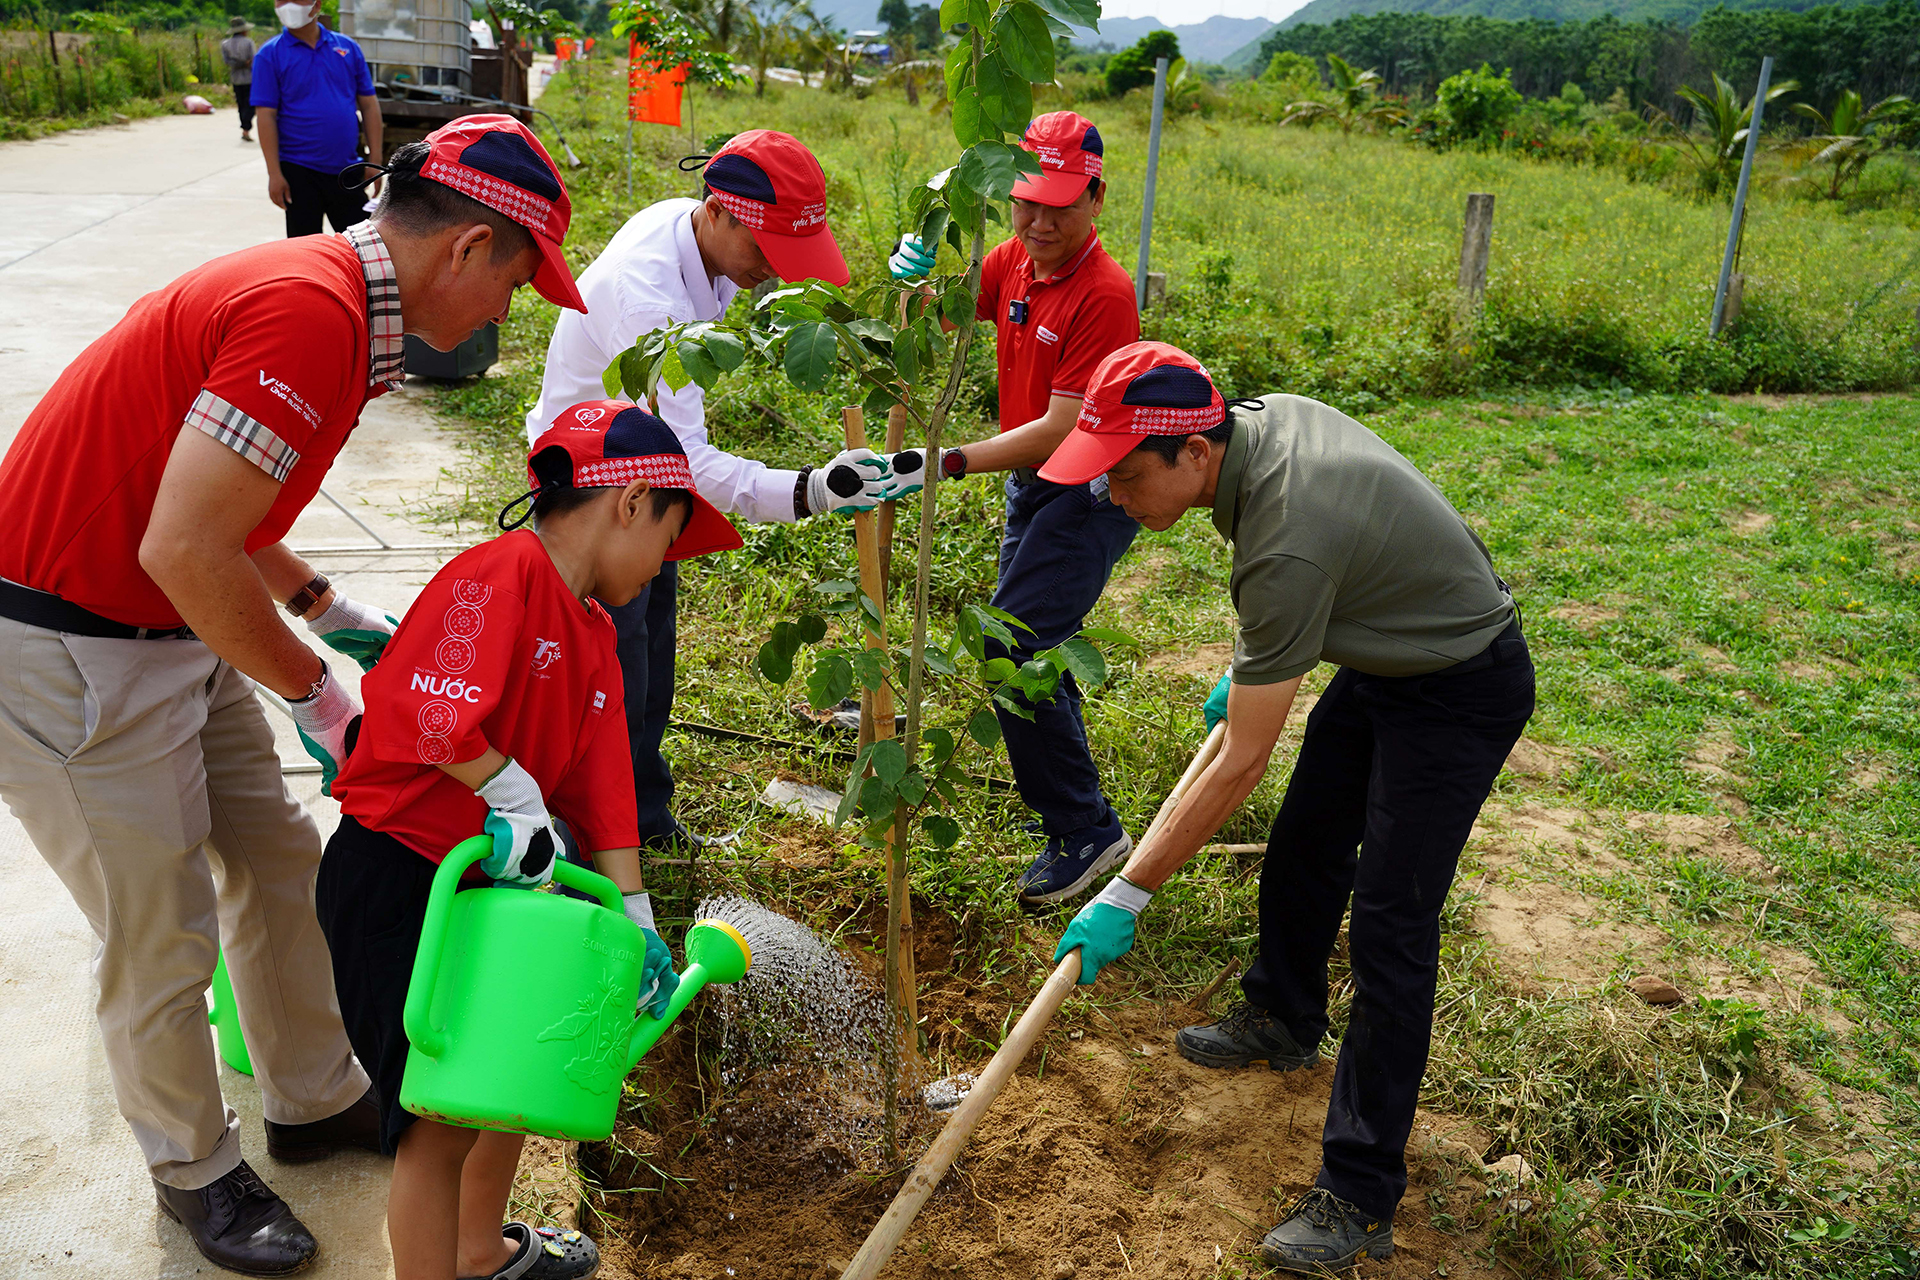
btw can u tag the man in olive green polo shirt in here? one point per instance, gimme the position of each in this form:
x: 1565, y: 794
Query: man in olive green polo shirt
x: 1342, y: 552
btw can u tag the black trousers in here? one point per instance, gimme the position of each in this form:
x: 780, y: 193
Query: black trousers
x: 243, y: 99
x: 312, y: 194
x: 646, y: 632
x: 1391, y: 775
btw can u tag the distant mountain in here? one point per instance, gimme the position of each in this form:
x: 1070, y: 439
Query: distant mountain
x: 1210, y: 41
x: 1682, y: 11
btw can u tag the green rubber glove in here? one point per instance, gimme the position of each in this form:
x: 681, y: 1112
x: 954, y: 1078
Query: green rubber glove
x: 1104, y: 928
x: 1215, y: 708
x: 357, y: 630
x: 658, y: 981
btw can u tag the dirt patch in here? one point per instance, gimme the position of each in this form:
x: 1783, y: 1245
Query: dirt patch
x: 1532, y: 759
x: 1705, y: 836
x: 1144, y: 573
x: 1203, y: 662
x: 1905, y: 927
x: 1583, y: 617
x: 1544, y: 935
x: 1749, y: 521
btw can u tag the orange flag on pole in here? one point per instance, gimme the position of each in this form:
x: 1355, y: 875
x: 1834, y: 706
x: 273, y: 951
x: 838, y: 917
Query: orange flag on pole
x: 653, y: 95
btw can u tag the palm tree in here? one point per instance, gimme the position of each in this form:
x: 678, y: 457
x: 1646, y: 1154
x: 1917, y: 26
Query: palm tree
x: 1356, y: 101
x: 767, y: 32
x: 1841, y: 139
x: 1716, y: 155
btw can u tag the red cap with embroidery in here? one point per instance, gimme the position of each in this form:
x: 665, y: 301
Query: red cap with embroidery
x: 1069, y: 150
x: 497, y: 161
x: 606, y: 443
x: 771, y: 182
x: 1143, y: 389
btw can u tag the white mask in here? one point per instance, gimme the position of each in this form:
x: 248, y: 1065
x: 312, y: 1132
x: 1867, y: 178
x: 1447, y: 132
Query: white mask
x: 293, y: 16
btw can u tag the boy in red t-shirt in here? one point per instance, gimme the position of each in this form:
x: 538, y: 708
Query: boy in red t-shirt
x: 498, y: 695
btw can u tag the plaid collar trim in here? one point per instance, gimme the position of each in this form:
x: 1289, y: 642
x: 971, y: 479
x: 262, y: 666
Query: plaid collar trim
x: 387, y: 356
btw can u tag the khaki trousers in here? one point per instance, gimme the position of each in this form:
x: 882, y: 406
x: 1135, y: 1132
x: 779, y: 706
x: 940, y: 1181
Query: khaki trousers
x: 145, y: 774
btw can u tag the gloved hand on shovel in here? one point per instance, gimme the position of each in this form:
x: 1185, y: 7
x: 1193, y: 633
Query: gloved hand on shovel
x: 1215, y: 708
x: 324, y: 719
x: 357, y: 630
x: 1104, y: 928
x: 658, y: 981
x: 524, y: 841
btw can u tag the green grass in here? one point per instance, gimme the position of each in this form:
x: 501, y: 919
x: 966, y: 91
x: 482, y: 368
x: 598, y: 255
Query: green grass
x: 1697, y: 572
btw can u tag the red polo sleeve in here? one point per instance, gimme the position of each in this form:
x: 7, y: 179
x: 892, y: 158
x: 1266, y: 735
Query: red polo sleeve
x: 1104, y: 322
x: 286, y: 360
x: 443, y: 674
x: 596, y: 797
x: 993, y: 272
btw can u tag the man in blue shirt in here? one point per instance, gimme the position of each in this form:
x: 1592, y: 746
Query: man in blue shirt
x: 313, y: 95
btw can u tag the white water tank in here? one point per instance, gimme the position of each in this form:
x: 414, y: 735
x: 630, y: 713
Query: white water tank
x: 423, y: 44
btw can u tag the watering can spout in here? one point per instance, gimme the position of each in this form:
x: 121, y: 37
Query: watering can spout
x: 715, y: 953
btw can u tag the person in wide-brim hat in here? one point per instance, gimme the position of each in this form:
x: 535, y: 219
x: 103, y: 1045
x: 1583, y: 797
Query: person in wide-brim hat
x: 238, y: 25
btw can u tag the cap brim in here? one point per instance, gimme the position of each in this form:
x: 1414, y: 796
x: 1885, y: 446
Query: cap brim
x: 1086, y: 454
x: 553, y: 280
x: 707, y: 531
x: 1053, y: 187
x: 797, y: 258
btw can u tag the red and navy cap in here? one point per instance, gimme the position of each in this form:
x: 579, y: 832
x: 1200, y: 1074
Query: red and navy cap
x: 496, y: 160
x: 771, y: 182
x: 1143, y: 389
x: 612, y: 443
x: 1070, y: 152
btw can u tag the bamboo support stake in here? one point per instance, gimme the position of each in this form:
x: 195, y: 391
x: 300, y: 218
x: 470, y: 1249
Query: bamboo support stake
x: 946, y: 1148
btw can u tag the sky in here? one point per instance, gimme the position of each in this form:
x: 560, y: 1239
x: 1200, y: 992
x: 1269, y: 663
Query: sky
x: 1180, y: 13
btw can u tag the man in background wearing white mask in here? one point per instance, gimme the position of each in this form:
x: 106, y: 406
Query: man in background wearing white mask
x: 314, y: 98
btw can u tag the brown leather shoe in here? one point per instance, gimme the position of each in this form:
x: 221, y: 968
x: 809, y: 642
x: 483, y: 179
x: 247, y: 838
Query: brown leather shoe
x: 357, y: 1126
x: 239, y: 1224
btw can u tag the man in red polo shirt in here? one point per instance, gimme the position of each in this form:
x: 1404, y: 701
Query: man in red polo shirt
x: 148, y: 494
x: 1061, y: 305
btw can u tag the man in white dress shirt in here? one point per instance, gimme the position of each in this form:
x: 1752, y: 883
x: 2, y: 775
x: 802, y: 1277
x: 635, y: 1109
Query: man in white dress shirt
x: 763, y: 217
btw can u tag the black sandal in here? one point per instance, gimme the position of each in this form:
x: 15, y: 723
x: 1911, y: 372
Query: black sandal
x: 545, y: 1253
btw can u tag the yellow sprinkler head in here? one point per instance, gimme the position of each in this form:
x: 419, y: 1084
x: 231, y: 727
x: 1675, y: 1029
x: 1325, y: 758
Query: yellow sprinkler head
x: 718, y: 948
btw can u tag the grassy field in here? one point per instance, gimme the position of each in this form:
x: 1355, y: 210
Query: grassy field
x: 1723, y: 595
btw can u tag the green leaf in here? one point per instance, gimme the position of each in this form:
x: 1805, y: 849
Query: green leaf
x: 1007, y: 702
x: 775, y: 663
x: 836, y: 587
x: 946, y: 789
x: 850, y: 795
x: 998, y: 670
x: 906, y: 359
x: 984, y: 617
x: 970, y: 121
x: 938, y: 660
x: 984, y: 728
x: 967, y: 633
x: 1089, y: 667
x: 1081, y: 13
x: 952, y: 14
x: 994, y: 611
x: 809, y: 358
x: 812, y: 628
x: 957, y: 303
x: 940, y: 829
x: 633, y: 375
x: 1107, y: 635
x: 959, y: 64
x: 889, y: 761
x: 695, y: 360
x: 1025, y: 41
x: 913, y: 787
x: 941, y: 745
x: 830, y: 680
x: 988, y: 170
x: 868, y: 327
x: 1006, y: 97
x: 870, y: 668
x: 726, y: 350
x: 672, y: 372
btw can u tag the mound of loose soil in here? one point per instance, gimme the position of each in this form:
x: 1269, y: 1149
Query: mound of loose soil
x: 1107, y: 1156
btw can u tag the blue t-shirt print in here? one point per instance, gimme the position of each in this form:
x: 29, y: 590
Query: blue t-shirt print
x: 313, y: 92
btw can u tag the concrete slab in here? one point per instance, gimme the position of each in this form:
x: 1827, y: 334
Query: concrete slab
x: 89, y: 222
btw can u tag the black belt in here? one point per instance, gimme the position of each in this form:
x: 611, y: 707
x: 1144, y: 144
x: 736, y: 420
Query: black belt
x: 1026, y: 475
x: 46, y: 610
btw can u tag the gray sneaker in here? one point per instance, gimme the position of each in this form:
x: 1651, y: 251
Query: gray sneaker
x: 1246, y: 1035
x: 1323, y: 1235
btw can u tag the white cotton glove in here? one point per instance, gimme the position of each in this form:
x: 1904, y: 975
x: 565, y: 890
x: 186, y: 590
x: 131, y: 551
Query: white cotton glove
x: 524, y: 841
x: 658, y: 981
x: 854, y: 480
x: 912, y: 258
x: 323, y: 718
x: 357, y: 630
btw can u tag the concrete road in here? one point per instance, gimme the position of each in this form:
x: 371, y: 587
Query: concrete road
x: 89, y: 221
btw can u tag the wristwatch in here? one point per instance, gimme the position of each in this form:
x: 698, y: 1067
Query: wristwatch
x: 953, y: 463
x: 308, y: 596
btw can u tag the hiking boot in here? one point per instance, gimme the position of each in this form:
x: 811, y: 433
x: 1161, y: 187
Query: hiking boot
x: 1245, y: 1036
x: 1323, y: 1235
x: 238, y: 1223
x: 1069, y: 863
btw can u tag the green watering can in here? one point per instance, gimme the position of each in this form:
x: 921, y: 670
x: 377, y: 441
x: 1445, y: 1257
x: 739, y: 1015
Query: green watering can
x: 520, y: 1015
x: 225, y: 1017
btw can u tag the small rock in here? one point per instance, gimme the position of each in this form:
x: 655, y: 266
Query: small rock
x: 1063, y: 1270
x: 1075, y: 1034
x: 1654, y: 990
x: 1512, y: 1168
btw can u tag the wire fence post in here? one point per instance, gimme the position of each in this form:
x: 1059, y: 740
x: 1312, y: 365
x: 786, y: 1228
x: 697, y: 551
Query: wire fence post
x: 1718, y: 319
x: 1153, y: 174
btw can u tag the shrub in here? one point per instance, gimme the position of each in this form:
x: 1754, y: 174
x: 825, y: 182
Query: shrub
x: 1478, y: 104
x: 1132, y: 67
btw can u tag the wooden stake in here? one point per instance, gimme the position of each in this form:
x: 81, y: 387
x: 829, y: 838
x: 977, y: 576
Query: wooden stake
x: 946, y: 1148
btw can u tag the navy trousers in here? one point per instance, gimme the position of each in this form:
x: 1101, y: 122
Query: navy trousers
x: 1396, y: 769
x: 645, y: 633
x: 1060, y: 547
